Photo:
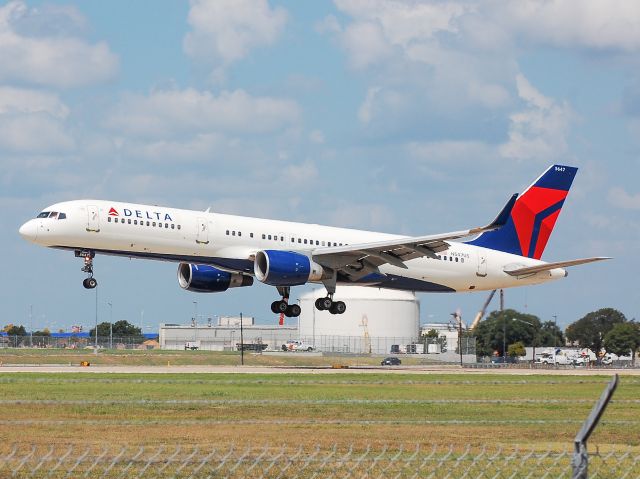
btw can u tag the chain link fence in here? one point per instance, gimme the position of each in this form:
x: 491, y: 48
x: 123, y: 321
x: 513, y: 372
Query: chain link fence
x: 283, y: 461
x: 72, y: 342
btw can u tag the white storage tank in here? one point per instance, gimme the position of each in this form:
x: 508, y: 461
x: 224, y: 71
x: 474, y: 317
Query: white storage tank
x: 375, y: 320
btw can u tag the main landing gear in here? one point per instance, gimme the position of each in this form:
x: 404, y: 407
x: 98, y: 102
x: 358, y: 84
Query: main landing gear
x: 328, y: 304
x: 90, y: 282
x: 283, y: 306
x: 322, y: 304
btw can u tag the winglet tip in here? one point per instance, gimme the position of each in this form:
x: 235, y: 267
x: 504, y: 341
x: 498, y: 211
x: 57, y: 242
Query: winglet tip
x: 504, y: 215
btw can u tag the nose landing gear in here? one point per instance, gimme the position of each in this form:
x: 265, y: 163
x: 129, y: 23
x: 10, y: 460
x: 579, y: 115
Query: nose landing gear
x: 90, y: 282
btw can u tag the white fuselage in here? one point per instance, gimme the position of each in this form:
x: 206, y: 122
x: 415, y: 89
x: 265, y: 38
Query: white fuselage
x: 230, y: 243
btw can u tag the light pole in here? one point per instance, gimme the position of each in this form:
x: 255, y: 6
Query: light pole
x: 555, y: 336
x: 241, y: 342
x: 535, y: 330
x: 31, y: 325
x: 110, y: 325
x: 95, y: 346
x: 504, y: 340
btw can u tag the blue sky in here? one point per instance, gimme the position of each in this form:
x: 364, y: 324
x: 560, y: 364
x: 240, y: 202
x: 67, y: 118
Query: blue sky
x: 397, y: 116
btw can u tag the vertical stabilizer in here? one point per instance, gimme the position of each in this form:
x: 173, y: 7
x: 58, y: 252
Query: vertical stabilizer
x: 534, y: 215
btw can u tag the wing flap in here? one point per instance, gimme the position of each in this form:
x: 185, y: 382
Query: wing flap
x: 549, y: 266
x: 352, y: 258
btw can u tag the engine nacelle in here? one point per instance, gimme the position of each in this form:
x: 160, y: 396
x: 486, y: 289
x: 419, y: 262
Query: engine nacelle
x: 285, y: 268
x: 202, y: 278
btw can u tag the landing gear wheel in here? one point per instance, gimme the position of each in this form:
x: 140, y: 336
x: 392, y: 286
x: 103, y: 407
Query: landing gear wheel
x: 90, y: 283
x: 293, y: 311
x: 338, y: 308
x: 323, y: 304
x: 279, y: 307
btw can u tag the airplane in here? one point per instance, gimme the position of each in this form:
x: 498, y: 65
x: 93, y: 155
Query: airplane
x: 217, y: 251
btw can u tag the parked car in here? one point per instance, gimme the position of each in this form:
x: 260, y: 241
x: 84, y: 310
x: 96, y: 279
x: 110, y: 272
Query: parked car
x: 391, y: 361
x: 501, y: 360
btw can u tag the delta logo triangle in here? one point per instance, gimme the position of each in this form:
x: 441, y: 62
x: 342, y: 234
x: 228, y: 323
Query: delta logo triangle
x: 113, y: 212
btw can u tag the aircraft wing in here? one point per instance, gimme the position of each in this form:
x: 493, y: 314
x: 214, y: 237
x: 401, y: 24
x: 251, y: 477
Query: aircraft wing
x: 359, y: 260
x: 549, y: 266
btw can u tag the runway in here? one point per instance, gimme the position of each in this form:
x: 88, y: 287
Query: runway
x: 199, y: 369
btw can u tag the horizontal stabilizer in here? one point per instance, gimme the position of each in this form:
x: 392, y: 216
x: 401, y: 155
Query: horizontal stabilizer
x: 549, y: 266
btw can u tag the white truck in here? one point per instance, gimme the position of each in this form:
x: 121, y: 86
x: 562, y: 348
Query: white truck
x: 559, y: 357
x: 294, y: 345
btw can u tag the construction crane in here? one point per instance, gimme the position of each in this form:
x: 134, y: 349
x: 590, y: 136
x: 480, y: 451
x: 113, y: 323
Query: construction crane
x: 483, y: 310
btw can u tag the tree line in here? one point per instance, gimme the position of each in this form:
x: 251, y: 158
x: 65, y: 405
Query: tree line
x: 121, y: 329
x: 605, y: 329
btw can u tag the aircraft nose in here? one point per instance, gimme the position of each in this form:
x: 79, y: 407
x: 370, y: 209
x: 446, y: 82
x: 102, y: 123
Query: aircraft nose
x: 29, y: 230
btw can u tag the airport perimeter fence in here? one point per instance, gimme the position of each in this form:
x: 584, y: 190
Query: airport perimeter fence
x: 271, y: 461
x: 71, y: 342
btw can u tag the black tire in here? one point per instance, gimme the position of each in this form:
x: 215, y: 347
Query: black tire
x: 85, y: 283
x: 294, y: 310
x: 92, y: 282
x: 274, y: 307
x: 282, y: 307
x: 327, y: 303
x: 320, y: 304
x: 340, y: 307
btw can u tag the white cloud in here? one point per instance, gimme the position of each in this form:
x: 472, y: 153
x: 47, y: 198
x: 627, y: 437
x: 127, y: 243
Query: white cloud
x: 34, y: 133
x: 596, y: 24
x: 316, y: 136
x: 458, y: 54
x: 225, y: 31
x: 33, y: 122
x: 365, y: 112
x: 199, y: 147
x: 20, y: 100
x: 540, y: 130
x: 31, y: 53
x: 620, y: 198
x: 170, y: 113
x: 304, y: 173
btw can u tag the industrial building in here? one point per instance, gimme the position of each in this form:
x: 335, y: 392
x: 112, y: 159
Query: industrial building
x: 225, y: 335
x: 375, y: 320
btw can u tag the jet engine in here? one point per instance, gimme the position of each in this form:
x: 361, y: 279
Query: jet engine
x: 285, y: 268
x: 202, y: 278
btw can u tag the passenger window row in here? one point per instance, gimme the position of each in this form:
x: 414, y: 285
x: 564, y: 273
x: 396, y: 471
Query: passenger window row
x: 142, y: 223
x: 269, y: 237
x: 451, y: 258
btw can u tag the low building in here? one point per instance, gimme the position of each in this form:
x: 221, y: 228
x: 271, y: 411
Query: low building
x: 224, y: 338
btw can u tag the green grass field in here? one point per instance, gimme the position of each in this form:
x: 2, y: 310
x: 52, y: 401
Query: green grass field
x: 344, y: 410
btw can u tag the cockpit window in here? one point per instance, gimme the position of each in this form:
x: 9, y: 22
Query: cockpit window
x: 52, y: 215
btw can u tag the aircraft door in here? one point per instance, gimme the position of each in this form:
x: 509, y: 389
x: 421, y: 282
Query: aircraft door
x: 93, y: 218
x: 482, y: 264
x: 202, y: 237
